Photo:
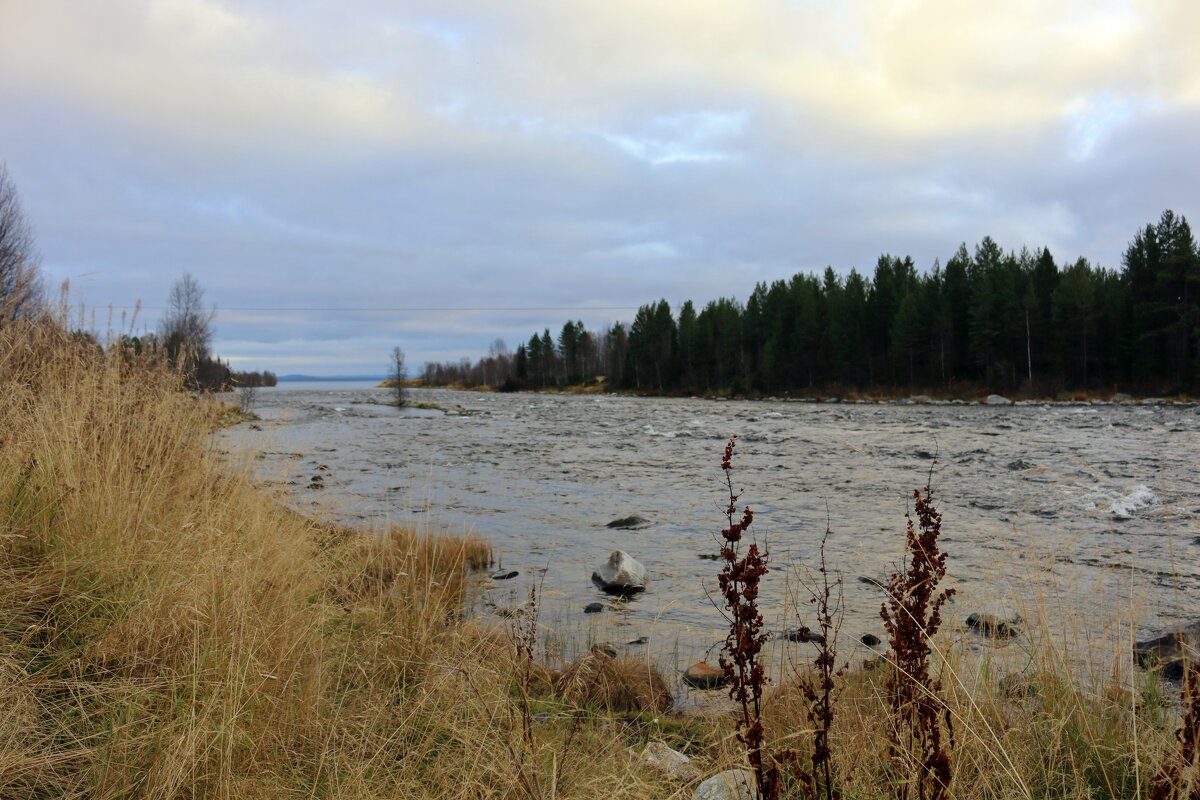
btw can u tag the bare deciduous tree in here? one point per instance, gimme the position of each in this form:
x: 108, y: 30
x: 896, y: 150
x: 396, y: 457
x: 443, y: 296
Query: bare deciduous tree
x: 20, y: 283
x: 186, y: 328
x: 397, y: 374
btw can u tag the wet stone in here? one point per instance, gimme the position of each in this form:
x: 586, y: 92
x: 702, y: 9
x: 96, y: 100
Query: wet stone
x: 630, y: 523
x: 803, y: 635
x: 992, y: 626
x: 1167, y: 653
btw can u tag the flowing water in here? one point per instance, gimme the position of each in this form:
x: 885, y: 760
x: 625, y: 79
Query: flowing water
x: 1086, y: 511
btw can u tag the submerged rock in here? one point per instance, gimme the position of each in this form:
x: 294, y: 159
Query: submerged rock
x: 803, y: 635
x: 621, y: 574
x: 1169, y: 651
x: 733, y: 784
x: 504, y: 576
x: 993, y: 626
x: 997, y: 400
x: 629, y: 523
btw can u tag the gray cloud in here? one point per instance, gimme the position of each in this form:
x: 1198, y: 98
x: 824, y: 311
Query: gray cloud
x: 568, y: 155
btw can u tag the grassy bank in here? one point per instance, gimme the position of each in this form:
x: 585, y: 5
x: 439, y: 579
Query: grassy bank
x: 167, y: 630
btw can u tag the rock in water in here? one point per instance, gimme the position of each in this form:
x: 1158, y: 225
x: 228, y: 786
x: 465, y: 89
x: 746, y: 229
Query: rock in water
x: 621, y: 574
x: 1168, y: 652
x: 733, y: 784
x: 659, y: 756
x: 870, y: 640
x: 993, y: 626
x: 997, y: 400
x: 804, y: 636
x: 703, y: 675
x: 629, y: 523
x: 593, y: 608
x: 505, y: 576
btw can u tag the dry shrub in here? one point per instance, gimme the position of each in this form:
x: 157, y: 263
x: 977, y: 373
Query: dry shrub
x: 372, y: 567
x: 598, y: 680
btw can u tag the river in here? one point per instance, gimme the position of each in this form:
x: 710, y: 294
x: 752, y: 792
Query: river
x: 1085, y: 518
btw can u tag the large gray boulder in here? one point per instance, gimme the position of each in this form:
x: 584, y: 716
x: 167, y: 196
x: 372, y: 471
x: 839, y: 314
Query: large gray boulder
x: 621, y: 574
x: 732, y: 784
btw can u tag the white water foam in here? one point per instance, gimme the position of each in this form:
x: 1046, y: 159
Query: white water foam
x: 1123, y: 505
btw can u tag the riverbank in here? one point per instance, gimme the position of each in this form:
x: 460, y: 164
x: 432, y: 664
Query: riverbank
x: 170, y: 630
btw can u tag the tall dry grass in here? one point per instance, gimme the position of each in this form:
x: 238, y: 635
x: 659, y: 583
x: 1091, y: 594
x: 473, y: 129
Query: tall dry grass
x: 168, y: 630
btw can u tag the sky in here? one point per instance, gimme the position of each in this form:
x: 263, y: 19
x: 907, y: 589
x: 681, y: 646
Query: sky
x: 345, y: 177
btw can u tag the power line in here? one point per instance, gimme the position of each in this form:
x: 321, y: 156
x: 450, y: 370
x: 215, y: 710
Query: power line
x: 405, y: 309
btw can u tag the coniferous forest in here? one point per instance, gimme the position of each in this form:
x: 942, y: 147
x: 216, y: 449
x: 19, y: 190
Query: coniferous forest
x: 985, y: 320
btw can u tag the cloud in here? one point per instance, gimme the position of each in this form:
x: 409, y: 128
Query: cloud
x: 571, y: 155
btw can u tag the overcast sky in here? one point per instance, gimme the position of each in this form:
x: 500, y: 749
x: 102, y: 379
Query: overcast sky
x: 575, y: 158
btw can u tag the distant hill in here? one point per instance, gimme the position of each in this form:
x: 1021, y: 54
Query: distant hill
x: 287, y: 378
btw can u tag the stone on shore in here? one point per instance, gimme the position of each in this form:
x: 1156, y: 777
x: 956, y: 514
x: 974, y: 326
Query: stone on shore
x: 621, y: 574
x: 733, y: 784
x: 672, y: 762
x: 703, y: 675
x: 997, y: 400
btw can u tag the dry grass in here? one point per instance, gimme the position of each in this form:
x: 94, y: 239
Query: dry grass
x: 614, y: 684
x: 167, y: 630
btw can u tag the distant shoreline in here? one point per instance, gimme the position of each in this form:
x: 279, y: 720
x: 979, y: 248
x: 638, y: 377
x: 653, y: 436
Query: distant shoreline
x: 1093, y: 398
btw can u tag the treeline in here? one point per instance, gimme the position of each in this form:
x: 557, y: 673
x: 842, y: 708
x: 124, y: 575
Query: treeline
x: 203, y: 372
x: 253, y: 380
x: 987, y: 320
